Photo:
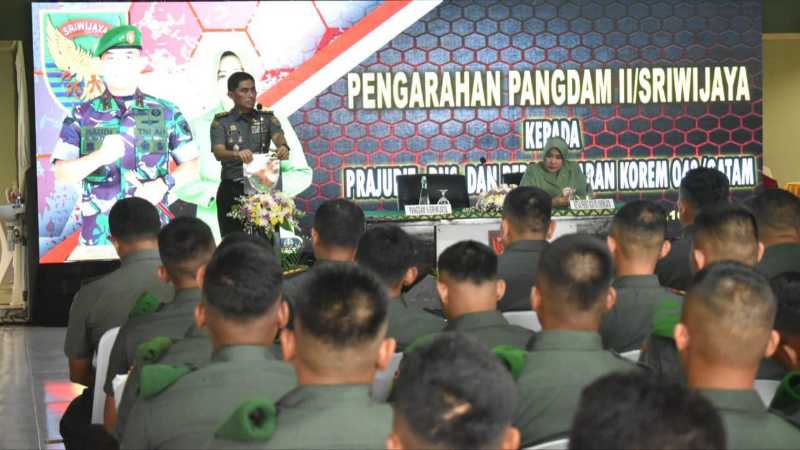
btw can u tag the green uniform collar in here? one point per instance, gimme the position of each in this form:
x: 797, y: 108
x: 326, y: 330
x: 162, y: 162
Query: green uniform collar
x: 746, y: 401
x: 140, y: 255
x: 474, y: 320
x: 236, y: 115
x: 567, y: 340
x: 326, y: 394
x: 527, y: 246
x: 188, y: 295
x: 637, y: 281
x: 243, y: 353
x: 788, y: 248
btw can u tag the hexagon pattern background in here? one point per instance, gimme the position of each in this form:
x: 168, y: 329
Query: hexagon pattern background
x: 524, y: 35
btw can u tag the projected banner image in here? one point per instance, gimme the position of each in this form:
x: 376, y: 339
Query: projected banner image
x: 366, y: 91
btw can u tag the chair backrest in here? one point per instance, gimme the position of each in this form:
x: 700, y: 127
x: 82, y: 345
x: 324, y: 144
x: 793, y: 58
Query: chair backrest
x: 524, y: 319
x: 766, y: 389
x: 558, y: 444
x: 632, y: 355
x: 103, y: 354
x: 382, y: 383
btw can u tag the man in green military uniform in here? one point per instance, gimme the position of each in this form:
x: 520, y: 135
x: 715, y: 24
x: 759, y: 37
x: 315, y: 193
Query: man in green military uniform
x: 573, y: 291
x: 526, y: 227
x: 558, y: 176
x: 786, y: 288
x: 778, y: 215
x: 105, y: 303
x: 186, y: 245
x: 389, y: 252
x: 337, y: 345
x: 724, y: 332
x: 636, y: 241
x: 469, y: 289
x: 236, y: 137
x: 243, y: 311
x: 467, y: 393
x: 120, y: 144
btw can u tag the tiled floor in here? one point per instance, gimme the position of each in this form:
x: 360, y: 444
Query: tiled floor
x: 34, y: 387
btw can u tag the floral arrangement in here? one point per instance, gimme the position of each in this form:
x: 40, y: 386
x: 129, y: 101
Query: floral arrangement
x: 262, y: 212
x: 491, y: 201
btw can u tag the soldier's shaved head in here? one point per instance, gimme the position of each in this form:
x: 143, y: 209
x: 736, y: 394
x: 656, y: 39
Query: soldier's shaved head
x: 726, y: 233
x: 729, y: 314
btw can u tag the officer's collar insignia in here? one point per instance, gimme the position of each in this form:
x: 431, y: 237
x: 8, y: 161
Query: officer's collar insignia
x: 252, y: 421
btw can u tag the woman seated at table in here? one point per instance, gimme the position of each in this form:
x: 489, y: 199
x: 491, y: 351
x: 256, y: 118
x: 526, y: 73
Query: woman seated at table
x: 557, y: 176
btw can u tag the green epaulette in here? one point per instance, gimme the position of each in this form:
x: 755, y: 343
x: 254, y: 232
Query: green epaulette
x: 787, y: 396
x: 513, y: 357
x: 220, y: 115
x: 151, y: 351
x: 666, y: 315
x: 146, y: 304
x: 155, y: 378
x: 253, y: 421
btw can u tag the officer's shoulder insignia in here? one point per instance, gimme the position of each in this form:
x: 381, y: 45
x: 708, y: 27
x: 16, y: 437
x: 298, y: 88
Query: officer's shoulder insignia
x: 513, y: 357
x: 252, y: 421
x: 147, y: 303
x: 155, y: 378
x: 151, y: 351
x: 220, y: 115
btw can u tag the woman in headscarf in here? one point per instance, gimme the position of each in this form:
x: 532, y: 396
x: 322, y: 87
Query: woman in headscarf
x: 556, y: 175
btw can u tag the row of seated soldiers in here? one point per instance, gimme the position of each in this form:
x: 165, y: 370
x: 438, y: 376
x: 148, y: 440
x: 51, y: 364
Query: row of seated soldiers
x: 222, y: 352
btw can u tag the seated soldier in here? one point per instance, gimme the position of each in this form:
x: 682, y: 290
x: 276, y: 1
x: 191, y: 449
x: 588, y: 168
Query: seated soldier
x: 728, y: 233
x: 469, y: 289
x: 573, y: 291
x: 525, y: 228
x: 186, y: 245
x: 243, y: 311
x: 389, y: 252
x: 636, y: 242
x: 638, y: 411
x: 337, y: 228
x: 193, y: 348
x: 337, y: 344
x: 467, y: 393
x: 724, y: 332
x: 778, y: 215
x: 701, y: 188
x: 105, y: 303
x: 786, y: 288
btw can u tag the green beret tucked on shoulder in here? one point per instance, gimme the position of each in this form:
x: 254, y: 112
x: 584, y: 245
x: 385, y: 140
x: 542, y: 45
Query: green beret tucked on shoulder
x: 147, y: 303
x: 420, y: 342
x: 152, y: 350
x: 513, y: 357
x: 155, y: 378
x: 665, y: 317
x: 123, y: 36
x: 787, y: 397
x: 253, y: 421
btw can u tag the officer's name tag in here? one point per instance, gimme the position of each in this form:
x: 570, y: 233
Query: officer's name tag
x: 596, y: 203
x: 428, y: 210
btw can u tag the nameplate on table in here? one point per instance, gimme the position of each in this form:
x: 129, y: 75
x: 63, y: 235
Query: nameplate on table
x: 428, y: 210
x: 595, y: 203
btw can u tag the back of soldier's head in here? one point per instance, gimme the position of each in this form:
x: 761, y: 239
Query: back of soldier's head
x: 777, y: 211
x: 786, y: 288
x: 388, y: 251
x: 639, y: 229
x: 339, y: 223
x: 527, y: 209
x: 453, y: 393
x: 574, y: 275
x: 133, y: 219
x: 341, y: 319
x: 729, y: 313
x: 704, y: 188
x: 468, y: 262
x: 185, y: 245
x: 243, y: 281
x: 633, y: 411
x: 727, y: 233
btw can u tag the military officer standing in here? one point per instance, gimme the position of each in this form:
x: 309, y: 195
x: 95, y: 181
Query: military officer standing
x: 236, y: 136
x: 120, y: 144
